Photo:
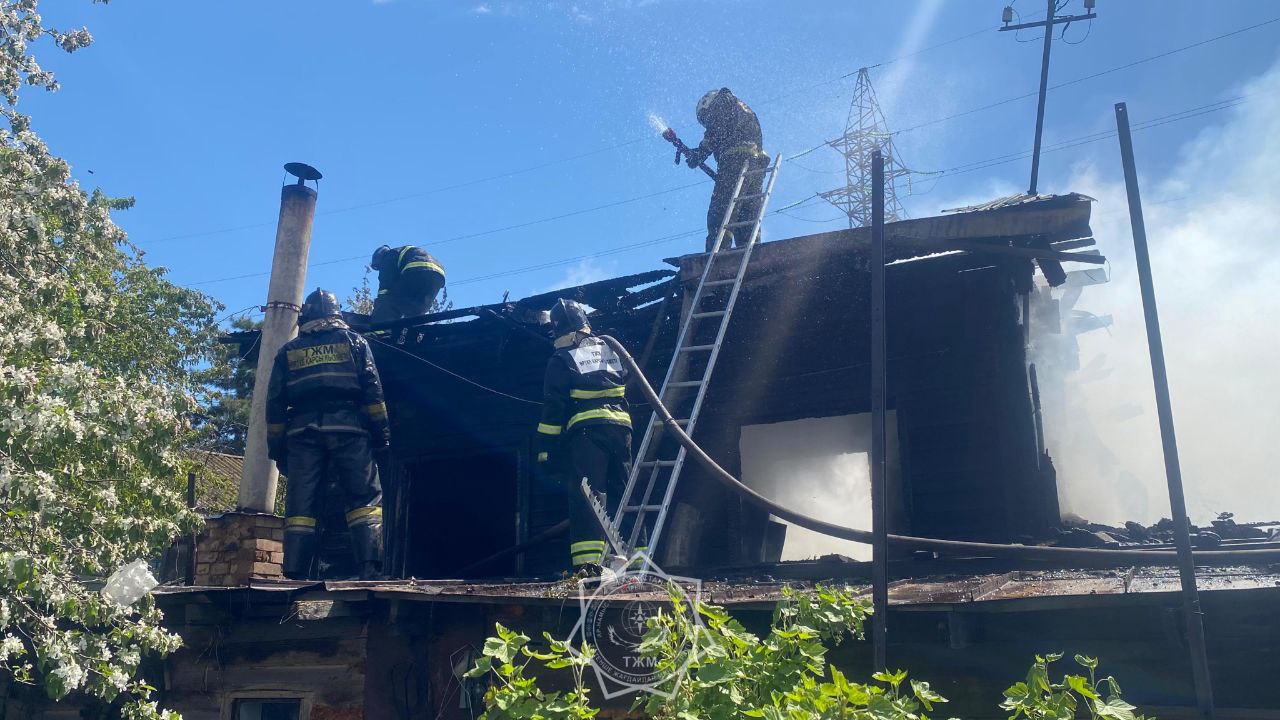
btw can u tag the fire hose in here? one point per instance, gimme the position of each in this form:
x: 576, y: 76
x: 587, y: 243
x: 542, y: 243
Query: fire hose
x: 1037, y: 553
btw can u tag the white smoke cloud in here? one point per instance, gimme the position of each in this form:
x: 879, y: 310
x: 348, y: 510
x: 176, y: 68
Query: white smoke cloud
x: 1213, y: 224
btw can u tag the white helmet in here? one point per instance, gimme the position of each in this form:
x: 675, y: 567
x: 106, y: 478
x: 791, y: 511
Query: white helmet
x: 704, y: 105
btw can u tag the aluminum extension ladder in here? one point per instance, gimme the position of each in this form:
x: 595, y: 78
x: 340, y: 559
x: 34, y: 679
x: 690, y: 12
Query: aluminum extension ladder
x: 642, y: 510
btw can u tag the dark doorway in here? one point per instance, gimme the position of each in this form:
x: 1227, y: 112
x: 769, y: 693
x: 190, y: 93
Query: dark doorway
x: 461, y: 509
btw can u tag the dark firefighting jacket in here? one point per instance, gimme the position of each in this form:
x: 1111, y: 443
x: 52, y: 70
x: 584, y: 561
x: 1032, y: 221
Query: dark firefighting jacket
x: 732, y: 129
x: 585, y: 384
x: 325, y: 380
x: 408, y: 258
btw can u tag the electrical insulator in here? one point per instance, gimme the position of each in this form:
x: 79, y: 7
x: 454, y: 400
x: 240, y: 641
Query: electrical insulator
x: 1007, y: 15
x: 1089, y: 4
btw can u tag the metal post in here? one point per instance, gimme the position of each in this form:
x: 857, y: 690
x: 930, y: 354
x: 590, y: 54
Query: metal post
x: 284, y: 301
x: 1172, y: 469
x: 190, y: 570
x: 1044, y: 87
x: 879, y: 494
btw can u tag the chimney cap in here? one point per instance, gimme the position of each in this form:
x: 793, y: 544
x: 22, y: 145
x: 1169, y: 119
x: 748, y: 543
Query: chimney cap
x: 302, y: 171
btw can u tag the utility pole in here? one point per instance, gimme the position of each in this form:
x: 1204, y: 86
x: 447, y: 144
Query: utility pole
x: 284, y: 303
x: 1164, y: 411
x: 879, y: 478
x: 1049, y: 21
x: 866, y: 132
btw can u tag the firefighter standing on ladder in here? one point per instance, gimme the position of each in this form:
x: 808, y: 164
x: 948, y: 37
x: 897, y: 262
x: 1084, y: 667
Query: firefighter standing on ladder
x: 734, y: 138
x: 409, y: 279
x: 325, y: 415
x: 585, y: 430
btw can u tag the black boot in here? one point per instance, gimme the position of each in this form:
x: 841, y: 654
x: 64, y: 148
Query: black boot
x: 299, y: 555
x: 366, y: 544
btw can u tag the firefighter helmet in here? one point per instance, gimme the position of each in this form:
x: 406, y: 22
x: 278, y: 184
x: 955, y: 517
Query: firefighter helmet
x: 568, y: 316
x: 379, y: 256
x: 320, y: 304
x: 707, y: 102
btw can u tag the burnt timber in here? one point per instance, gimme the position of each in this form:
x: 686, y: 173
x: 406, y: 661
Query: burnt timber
x: 461, y: 493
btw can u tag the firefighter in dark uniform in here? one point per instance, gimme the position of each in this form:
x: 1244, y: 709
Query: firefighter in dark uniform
x: 585, y: 430
x: 733, y: 137
x: 326, y: 417
x: 409, y: 279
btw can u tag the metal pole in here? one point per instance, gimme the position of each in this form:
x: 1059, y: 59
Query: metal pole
x: 284, y: 302
x: 1044, y: 86
x: 879, y: 494
x: 1172, y: 469
x: 190, y: 570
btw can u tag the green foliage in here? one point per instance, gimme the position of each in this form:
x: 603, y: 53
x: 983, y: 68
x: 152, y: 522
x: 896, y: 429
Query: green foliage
x: 515, y: 695
x: 1038, y: 698
x: 229, y: 378
x: 781, y: 676
x: 97, y: 359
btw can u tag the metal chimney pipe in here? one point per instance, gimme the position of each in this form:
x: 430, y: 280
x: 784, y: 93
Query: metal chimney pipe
x: 284, y: 302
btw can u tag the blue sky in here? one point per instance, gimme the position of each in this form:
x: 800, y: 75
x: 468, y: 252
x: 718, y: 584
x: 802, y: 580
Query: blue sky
x: 441, y: 123
x: 193, y: 107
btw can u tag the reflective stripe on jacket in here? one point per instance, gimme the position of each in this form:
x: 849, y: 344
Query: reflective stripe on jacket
x: 585, y: 384
x: 732, y: 128
x: 325, y: 380
x: 408, y: 257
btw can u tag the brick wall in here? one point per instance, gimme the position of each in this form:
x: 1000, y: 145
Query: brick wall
x: 235, y: 547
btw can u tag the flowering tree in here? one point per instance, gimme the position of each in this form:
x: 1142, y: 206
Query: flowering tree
x: 96, y: 359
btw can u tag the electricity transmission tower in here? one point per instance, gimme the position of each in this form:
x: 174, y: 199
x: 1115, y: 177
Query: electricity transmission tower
x: 865, y: 132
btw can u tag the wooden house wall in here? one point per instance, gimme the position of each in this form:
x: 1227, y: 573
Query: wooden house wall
x: 797, y: 348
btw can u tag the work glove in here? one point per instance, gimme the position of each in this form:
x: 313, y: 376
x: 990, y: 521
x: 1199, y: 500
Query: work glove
x: 694, y: 158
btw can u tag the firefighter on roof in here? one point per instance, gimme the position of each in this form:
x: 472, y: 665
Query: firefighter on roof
x: 733, y: 137
x: 326, y: 416
x: 409, y: 279
x: 586, y: 426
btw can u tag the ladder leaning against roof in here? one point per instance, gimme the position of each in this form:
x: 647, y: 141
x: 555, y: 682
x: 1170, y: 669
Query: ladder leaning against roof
x: 642, y: 511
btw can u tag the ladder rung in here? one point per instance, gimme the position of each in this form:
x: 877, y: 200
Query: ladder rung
x: 641, y: 508
x: 753, y: 196
x: 707, y: 314
x: 684, y: 383
x: 761, y: 171
x: 715, y: 283
x: 659, y: 463
x: 741, y: 223
x: 696, y: 348
x: 681, y: 421
x: 731, y: 251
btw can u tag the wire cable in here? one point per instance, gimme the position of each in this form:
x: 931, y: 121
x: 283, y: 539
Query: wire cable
x: 1093, y: 76
x: 447, y: 371
x: 482, y: 233
x: 558, y: 161
x: 1025, y: 552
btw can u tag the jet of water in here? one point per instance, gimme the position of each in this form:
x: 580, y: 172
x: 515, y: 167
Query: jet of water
x: 657, y: 123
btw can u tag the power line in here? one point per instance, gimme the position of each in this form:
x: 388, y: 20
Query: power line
x: 1067, y: 83
x: 1076, y: 81
x: 411, y: 196
x: 558, y: 161
x: 482, y: 233
x: 447, y: 371
x: 1069, y: 143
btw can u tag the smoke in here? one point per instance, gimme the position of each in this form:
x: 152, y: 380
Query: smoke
x: 657, y: 123
x: 1212, y: 226
x: 819, y: 467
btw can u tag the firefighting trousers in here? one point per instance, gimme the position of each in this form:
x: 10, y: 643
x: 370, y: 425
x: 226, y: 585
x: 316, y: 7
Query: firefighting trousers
x: 726, y: 177
x: 602, y: 455
x: 412, y: 296
x: 346, y: 457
